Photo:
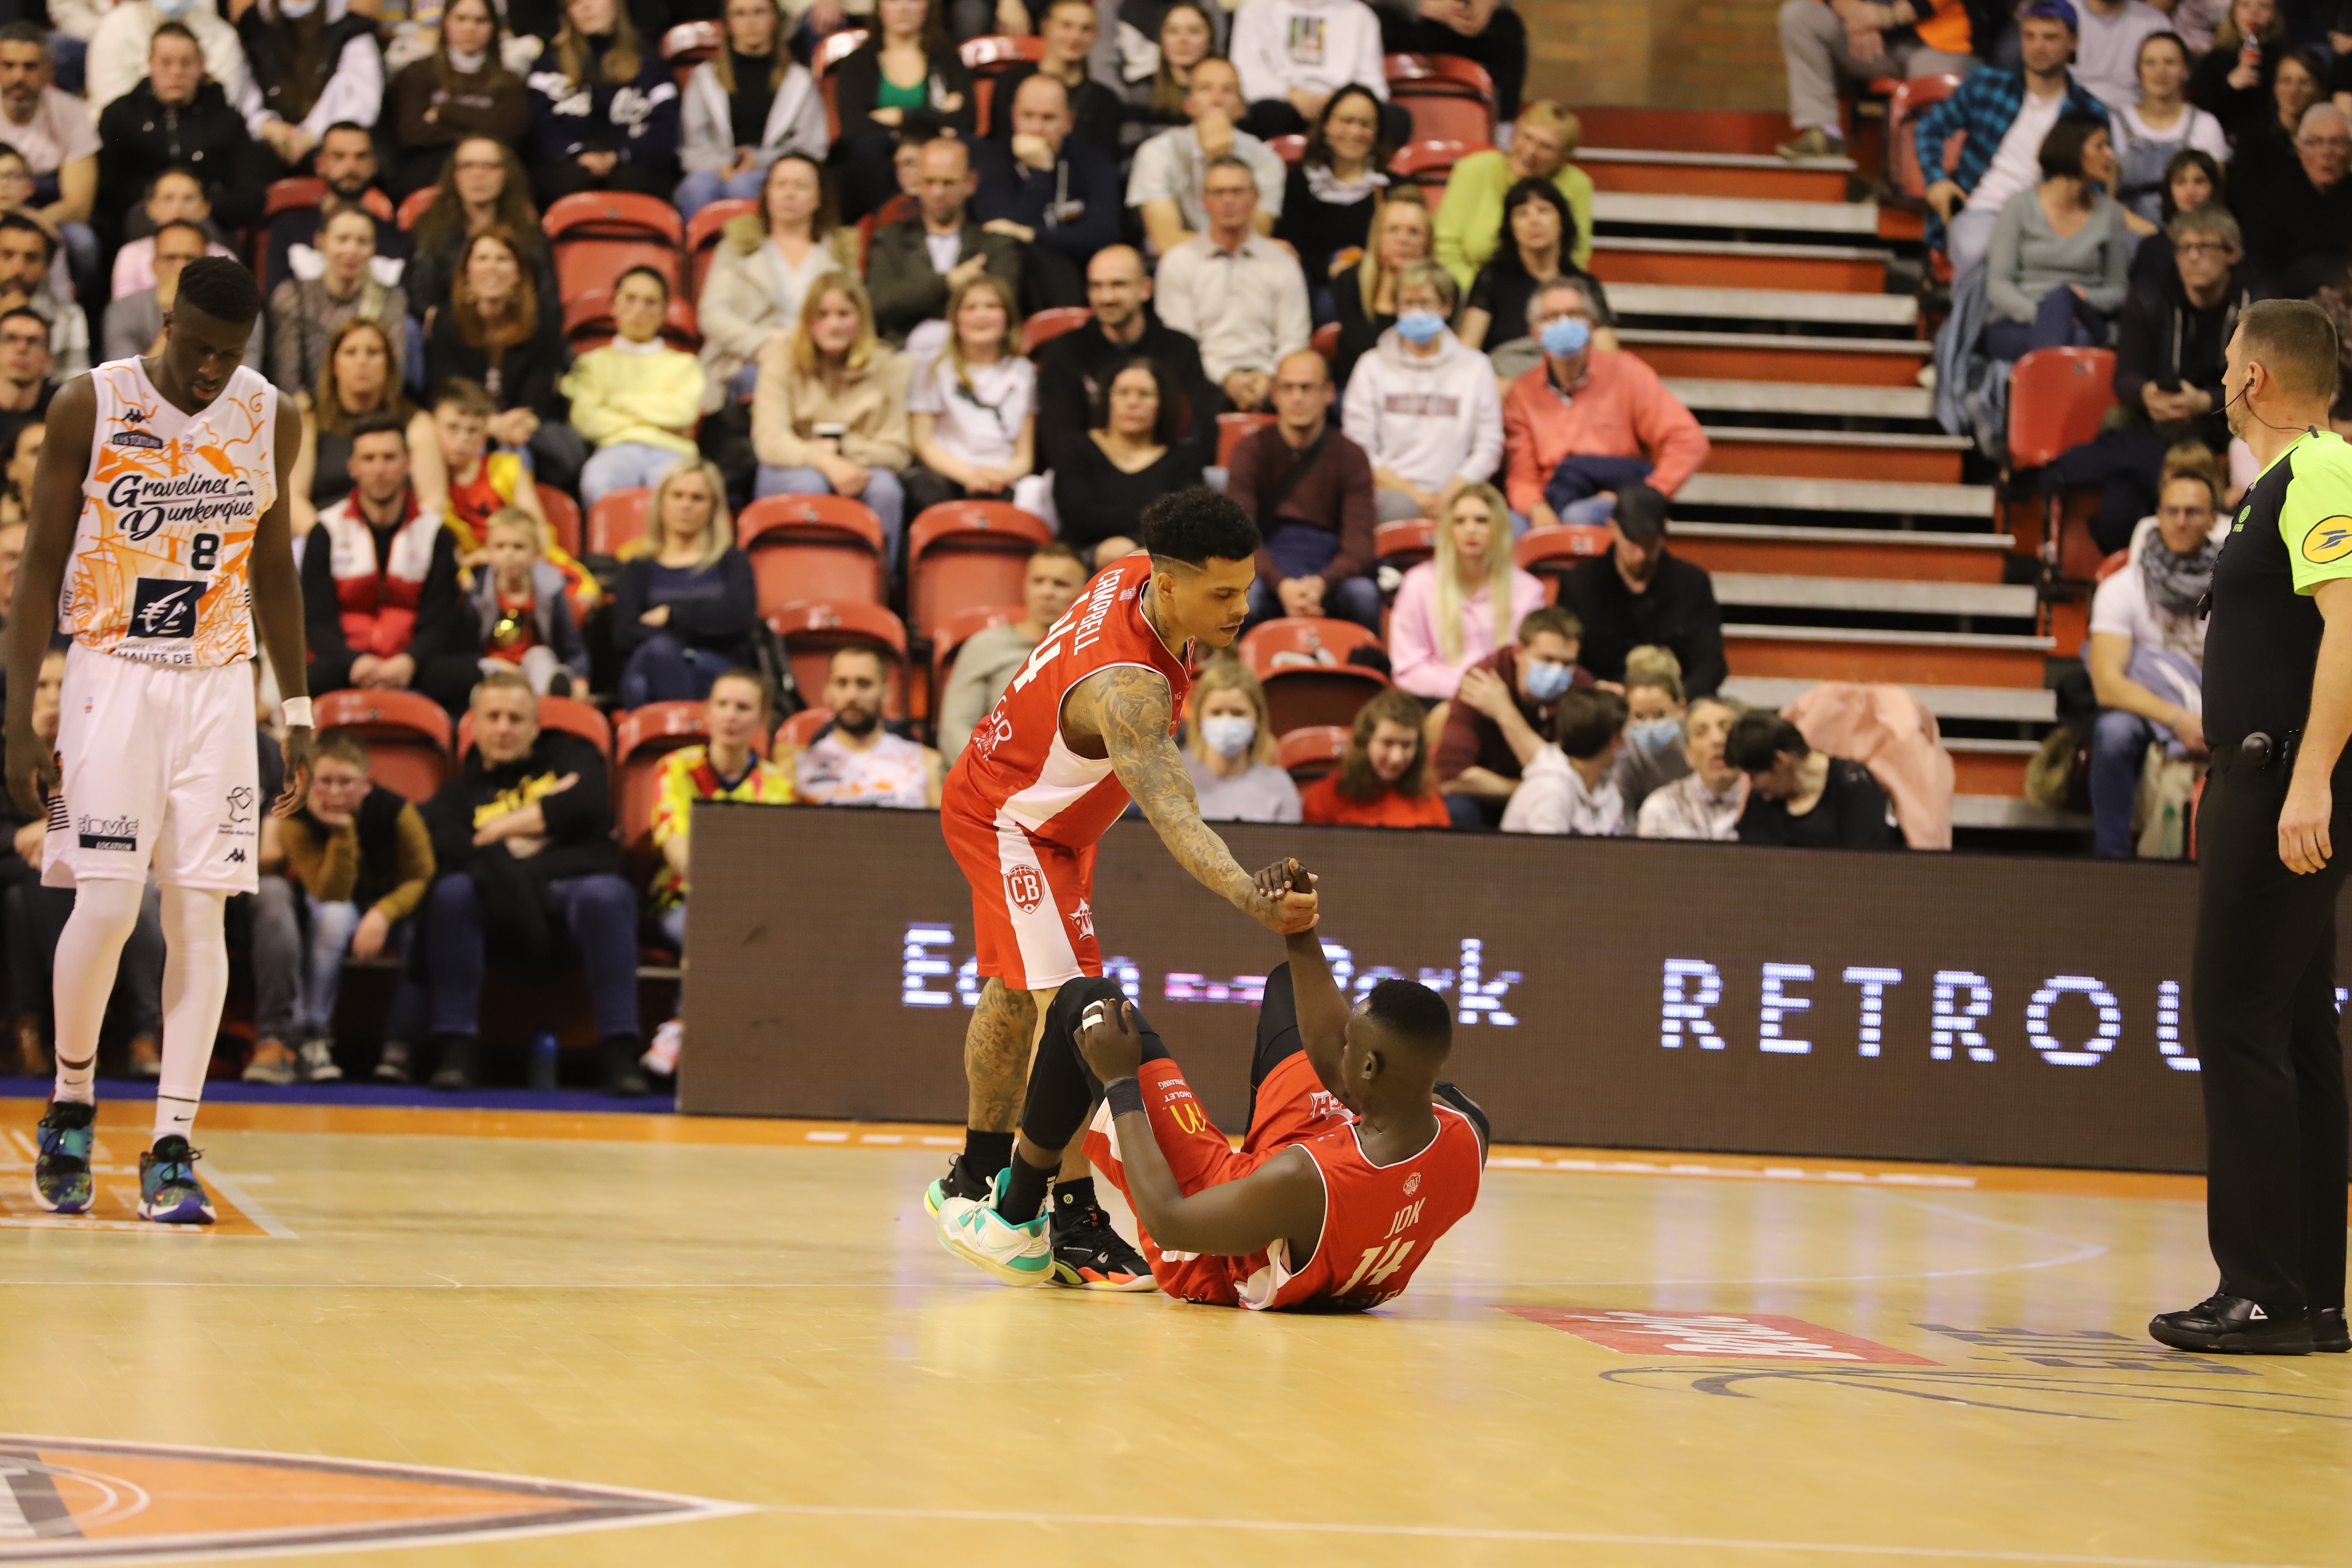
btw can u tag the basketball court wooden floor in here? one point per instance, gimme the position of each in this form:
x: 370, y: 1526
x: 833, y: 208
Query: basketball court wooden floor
x: 460, y: 1338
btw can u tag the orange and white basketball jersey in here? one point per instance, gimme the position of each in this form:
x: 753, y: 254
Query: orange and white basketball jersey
x: 169, y: 512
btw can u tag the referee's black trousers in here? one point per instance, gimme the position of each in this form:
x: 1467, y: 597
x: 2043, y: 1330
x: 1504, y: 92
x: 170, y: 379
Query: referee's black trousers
x: 2263, y: 990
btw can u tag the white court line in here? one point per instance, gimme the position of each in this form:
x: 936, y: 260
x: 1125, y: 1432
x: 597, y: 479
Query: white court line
x: 1475, y: 1533
x: 270, y: 1223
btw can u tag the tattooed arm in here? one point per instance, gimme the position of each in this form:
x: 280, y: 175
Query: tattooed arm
x: 1130, y: 710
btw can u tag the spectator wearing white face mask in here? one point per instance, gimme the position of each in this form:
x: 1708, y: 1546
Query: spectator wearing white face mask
x: 1229, y: 750
x: 1652, y: 756
x: 1706, y: 803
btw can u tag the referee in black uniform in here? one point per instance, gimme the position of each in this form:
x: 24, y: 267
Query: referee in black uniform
x: 2278, y: 709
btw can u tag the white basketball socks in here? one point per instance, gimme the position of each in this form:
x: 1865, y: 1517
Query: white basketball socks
x: 83, y: 978
x: 196, y: 985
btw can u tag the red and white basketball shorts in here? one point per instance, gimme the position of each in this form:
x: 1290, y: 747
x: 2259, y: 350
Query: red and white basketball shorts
x: 1030, y: 901
x: 1292, y: 1106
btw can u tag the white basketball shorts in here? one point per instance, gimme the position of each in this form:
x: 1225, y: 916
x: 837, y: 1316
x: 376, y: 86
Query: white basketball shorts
x: 161, y: 766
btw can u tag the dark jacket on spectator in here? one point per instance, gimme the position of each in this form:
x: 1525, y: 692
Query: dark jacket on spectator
x: 1851, y: 815
x: 140, y: 136
x: 1072, y: 368
x: 473, y: 108
x: 908, y: 290
x: 527, y: 372
x: 1677, y: 612
x: 433, y: 261
x: 442, y: 626
x: 2297, y: 236
x: 1502, y: 49
x: 1359, y: 332
x: 1012, y: 189
x: 1319, y: 230
x: 272, y: 45
x: 638, y: 119
x: 1096, y: 499
x: 579, y: 819
x: 1471, y: 739
x: 1095, y: 111
x: 2209, y: 86
x: 857, y: 82
x: 652, y: 18
x: 2165, y: 339
x: 719, y: 619
x: 1334, y: 493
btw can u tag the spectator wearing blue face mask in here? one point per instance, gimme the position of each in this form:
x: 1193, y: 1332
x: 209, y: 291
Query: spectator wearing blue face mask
x: 1229, y: 748
x: 1500, y: 716
x: 1422, y: 404
x: 1653, y: 757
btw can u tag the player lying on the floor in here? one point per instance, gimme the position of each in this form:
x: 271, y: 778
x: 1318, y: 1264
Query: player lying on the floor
x: 1358, y: 1158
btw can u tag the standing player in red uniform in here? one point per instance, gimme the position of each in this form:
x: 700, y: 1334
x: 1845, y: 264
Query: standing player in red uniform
x: 1358, y: 1158
x: 1087, y: 725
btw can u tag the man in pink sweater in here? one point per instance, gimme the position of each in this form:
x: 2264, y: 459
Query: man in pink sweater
x: 1588, y: 403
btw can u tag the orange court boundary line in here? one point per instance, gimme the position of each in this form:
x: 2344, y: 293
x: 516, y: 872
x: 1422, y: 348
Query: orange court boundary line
x: 637, y: 1127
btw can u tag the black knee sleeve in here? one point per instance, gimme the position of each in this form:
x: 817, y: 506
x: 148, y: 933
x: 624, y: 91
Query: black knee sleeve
x: 1061, y: 1087
x: 1277, y: 1031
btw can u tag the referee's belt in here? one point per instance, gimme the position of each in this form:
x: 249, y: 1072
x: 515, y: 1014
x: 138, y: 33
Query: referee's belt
x: 2258, y: 751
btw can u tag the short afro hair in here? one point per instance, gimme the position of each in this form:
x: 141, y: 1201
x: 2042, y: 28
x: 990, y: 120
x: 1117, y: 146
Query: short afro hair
x: 1412, y: 1015
x: 1198, y: 525
x: 221, y: 289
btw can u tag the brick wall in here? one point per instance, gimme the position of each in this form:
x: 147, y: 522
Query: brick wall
x: 1667, y: 54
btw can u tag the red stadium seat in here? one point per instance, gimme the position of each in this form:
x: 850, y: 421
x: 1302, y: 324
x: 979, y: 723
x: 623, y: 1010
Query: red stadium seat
x: 799, y: 730
x: 2057, y: 398
x: 2113, y: 564
x: 1233, y: 429
x: 813, y: 631
x: 990, y: 57
x: 949, y: 636
x: 1430, y: 163
x: 1312, y: 752
x: 617, y: 520
x: 1446, y: 116
x: 414, y: 205
x: 642, y: 738
x: 1551, y: 554
x: 568, y: 714
x: 1910, y: 100
x: 702, y: 235
x: 597, y: 236
x: 1405, y: 544
x: 1291, y: 149
x: 1303, y: 665
x: 1326, y: 341
x: 408, y: 735
x: 588, y: 320
x: 693, y: 42
x: 835, y: 48
x: 1048, y: 324
x: 965, y: 553
x: 825, y: 548
x: 1450, y: 98
x: 563, y: 517
x: 286, y: 195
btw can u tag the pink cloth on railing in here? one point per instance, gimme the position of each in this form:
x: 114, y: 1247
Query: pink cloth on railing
x: 1891, y: 733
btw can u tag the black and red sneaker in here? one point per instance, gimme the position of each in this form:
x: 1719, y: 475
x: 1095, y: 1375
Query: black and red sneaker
x: 1088, y: 1255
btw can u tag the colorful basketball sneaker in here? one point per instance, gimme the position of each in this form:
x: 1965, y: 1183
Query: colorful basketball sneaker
x: 959, y: 1184
x: 61, y: 1160
x: 168, y: 1189
x: 1088, y: 1255
x: 1016, y: 1254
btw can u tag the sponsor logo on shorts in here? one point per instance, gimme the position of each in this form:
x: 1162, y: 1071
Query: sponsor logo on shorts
x: 139, y: 438
x: 1083, y: 917
x: 240, y: 810
x: 108, y: 832
x: 164, y: 607
x: 1025, y: 887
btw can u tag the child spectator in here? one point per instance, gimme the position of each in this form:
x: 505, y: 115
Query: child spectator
x: 1706, y: 802
x: 1229, y: 748
x: 829, y: 412
x: 1798, y: 795
x: 972, y: 416
x: 1422, y: 404
x: 1459, y: 607
x: 362, y: 859
x: 726, y: 767
x: 522, y: 612
x: 1655, y: 710
x: 855, y: 761
x: 683, y: 611
x: 989, y: 660
x: 1383, y: 780
x: 1569, y: 787
x: 637, y: 399
x: 458, y: 474
x: 174, y: 197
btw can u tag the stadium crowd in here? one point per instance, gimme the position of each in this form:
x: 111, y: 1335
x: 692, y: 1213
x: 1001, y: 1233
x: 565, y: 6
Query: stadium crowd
x: 921, y: 253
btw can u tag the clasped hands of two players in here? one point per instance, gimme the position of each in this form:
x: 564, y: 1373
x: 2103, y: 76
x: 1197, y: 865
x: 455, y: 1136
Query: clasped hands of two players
x: 1287, y: 893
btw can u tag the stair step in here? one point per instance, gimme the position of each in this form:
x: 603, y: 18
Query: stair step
x: 1878, y: 314
x: 1885, y: 596
x: 1744, y: 175
x: 1868, y: 455
x: 2012, y: 812
x: 1830, y: 401
x: 1762, y: 493
x: 2000, y: 704
x: 1842, y: 653
x: 1754, y: 132
x: 1865, y: 553
x: 1743, y: 264
x: 1733, y: 215
x: 1985, y: 767
x: 1765, y: 356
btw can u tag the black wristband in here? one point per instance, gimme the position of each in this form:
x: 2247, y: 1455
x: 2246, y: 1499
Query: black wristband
x: 1124, y: 1096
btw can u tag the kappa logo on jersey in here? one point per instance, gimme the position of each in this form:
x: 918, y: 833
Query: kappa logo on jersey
x: 109, y: 832
x: 2328, y: 542
x: 164, y: 607
x: 236, y: 856
x: 1025, y: 887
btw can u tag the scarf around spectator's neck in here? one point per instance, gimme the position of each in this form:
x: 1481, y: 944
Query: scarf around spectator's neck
x: 2176, y: 582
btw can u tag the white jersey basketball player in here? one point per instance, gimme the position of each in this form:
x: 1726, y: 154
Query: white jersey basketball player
x: 158, y: 540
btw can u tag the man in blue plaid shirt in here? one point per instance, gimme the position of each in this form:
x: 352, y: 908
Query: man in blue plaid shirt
x: 2005, y: 115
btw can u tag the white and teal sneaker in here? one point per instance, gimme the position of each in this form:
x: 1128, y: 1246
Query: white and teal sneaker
x: 1016, y: 1254
x: 168, y: 1189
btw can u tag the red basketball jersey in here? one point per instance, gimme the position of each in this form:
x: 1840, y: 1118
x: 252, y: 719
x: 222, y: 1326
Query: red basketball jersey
x: 1018, y: 766
x: 1378, y: 1221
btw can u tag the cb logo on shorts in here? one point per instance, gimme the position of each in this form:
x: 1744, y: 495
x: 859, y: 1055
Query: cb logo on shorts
x: 1025, y: 888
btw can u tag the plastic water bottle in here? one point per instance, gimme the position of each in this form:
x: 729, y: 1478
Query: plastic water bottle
x: 543, y: 1053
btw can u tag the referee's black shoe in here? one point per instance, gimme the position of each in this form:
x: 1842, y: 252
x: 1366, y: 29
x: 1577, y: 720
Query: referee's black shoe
x: 2329, y: 1335
x: 2234, y: 1326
